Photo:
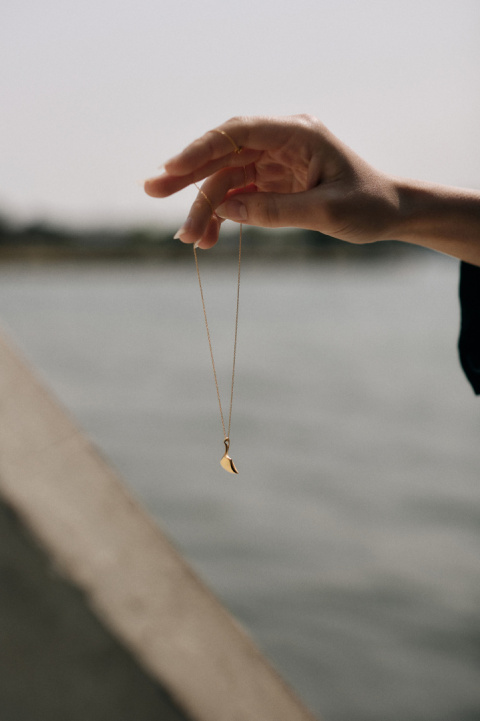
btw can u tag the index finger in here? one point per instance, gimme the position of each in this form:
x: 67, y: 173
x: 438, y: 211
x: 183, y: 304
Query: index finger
x: 245, y: 134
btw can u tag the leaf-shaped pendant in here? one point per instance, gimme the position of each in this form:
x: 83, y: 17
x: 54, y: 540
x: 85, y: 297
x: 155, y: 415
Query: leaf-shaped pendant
x: 226, y: 462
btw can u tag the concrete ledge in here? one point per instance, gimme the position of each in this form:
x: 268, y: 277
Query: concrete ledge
x: 110, y: 550
x: 58, y: 662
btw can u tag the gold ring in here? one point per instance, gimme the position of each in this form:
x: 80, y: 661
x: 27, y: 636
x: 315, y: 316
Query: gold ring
x: 236, y: 148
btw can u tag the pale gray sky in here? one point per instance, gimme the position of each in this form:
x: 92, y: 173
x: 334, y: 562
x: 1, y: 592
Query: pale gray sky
x: 94, y: 95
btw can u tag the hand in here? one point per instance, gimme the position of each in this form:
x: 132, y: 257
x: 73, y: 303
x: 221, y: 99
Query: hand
x: 293, y: 172
x: 290, y: 172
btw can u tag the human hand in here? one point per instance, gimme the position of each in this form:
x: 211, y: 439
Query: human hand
x: 291, y: 171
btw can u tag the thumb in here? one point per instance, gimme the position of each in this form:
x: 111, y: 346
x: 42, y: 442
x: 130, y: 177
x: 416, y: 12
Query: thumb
x: 270, y: 210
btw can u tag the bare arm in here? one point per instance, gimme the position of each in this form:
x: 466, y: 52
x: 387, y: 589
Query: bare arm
x: 440, y: 217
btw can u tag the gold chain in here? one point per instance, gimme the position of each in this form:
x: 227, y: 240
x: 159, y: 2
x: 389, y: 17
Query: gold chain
x: 226, y: 430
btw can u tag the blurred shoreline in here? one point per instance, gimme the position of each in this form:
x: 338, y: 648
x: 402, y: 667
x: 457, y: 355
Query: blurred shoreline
x: 41, y: 242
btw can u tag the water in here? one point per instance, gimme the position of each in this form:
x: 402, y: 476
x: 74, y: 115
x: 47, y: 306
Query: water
x: 349, y: 545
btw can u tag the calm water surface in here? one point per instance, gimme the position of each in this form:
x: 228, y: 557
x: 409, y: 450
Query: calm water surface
x: 349, y: 545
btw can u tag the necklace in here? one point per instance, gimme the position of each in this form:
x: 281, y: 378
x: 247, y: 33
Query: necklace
x: 226, y: 462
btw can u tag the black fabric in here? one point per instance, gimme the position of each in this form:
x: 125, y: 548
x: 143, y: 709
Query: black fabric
x: 469, y: 340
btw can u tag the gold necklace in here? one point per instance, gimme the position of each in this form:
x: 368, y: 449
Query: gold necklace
x: 226, y: 462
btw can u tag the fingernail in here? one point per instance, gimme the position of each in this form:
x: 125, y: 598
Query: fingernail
x: 195, y: 245
x: 184, y: 229
x: 147, y: 182
x: 232, y: 210
x: 159, y: 174
x: 143, y: 182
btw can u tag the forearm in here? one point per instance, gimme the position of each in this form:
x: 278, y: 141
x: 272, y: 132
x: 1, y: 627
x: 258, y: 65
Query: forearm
x: 439, y: 217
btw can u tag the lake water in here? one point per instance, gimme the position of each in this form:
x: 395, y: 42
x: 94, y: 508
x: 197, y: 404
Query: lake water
x: 349, y: 545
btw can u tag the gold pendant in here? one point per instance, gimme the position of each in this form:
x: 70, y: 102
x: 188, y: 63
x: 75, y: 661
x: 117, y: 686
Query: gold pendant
x: 226, y: 461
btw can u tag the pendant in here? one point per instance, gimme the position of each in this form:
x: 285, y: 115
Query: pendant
x: 226, y: 461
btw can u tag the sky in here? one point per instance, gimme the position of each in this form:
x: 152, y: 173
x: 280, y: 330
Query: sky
x: 96, y: 95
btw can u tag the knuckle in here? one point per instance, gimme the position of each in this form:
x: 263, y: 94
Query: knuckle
x: 209, y: 142
x: 308, y: 121
x: 200, y: 208
x: 270, y: 211
x: 236, y: 120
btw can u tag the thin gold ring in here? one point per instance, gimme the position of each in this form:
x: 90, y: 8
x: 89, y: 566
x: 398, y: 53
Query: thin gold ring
x: 236, y: 148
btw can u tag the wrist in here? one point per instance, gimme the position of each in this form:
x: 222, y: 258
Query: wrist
x: 443, y: 218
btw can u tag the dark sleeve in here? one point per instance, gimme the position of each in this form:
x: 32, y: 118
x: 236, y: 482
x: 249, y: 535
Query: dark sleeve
x: 469, y: 340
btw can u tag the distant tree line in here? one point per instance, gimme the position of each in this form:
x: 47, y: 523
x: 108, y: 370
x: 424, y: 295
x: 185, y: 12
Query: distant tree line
x: 42, y: 241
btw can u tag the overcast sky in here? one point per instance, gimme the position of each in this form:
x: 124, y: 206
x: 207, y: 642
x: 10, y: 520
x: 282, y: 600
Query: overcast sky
x: 96, y: 94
